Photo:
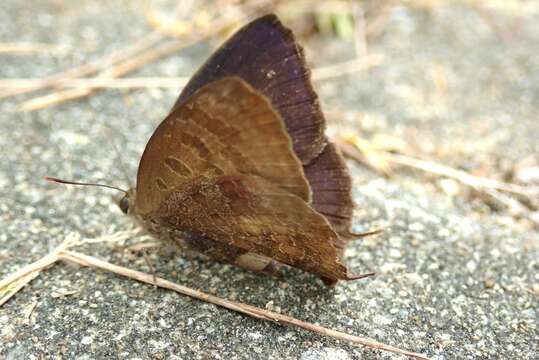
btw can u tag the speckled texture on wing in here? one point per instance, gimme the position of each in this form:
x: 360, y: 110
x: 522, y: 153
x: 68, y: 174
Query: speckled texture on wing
x: 251, y: 213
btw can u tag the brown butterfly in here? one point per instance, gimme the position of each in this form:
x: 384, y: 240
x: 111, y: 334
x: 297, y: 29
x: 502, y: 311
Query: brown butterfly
x: 241, y: 171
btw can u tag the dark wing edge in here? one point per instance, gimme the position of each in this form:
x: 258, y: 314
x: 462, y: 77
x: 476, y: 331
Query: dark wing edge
x: 267, y: 56
x: 331, y: 187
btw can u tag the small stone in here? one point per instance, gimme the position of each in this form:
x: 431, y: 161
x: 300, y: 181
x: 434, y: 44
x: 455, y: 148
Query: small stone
x: 443, y: 232
x: 395, y: 241
x: 395, y: 253
x: 414, y: 278
x: 255, y: 335
x: 445, y: 337
x: 325, y: 354
x: 391, y: 267
x: 382, y: 320
x: 416, y: 227
x: 87, y: 340
x: 471, y: 266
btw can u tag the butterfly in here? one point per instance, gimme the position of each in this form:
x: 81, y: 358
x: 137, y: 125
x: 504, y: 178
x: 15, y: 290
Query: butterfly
x: 241, y: 171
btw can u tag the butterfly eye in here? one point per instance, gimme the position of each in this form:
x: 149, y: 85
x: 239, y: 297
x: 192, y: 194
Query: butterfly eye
x: 124, y: 204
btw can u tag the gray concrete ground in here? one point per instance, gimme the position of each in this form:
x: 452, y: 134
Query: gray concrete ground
x: 456, y: 278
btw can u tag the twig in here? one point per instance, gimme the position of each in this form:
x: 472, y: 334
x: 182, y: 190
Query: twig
x: 348, y: 67
x: 351, y: 146
x: 29, y: 48
x: 363, y: 154
x: 142, y: 82
x: 462, y: 176
x: 16, y: 281
x: 360, y: 34
x: 120, y: 55
x: 126, y: 67
x: 54, y: 98
x: 116, y: 237
x: 250, y: 310
x: 65, y: 255
x: 14, y: 287
x: 22, y: 277
x: 89, y: 68
x: 115, y: 71
x: 348, y: 147
x: 513, y: 205
x: 30, y: 311
x: 321, y: 73
x: 88, y: 86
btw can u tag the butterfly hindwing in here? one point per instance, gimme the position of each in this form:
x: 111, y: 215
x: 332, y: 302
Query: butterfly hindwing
x: 250, y: 213
x: 331, y: 186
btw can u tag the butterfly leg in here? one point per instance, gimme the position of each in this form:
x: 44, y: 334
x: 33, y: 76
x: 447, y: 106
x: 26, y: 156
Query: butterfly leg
x: 149, y: 263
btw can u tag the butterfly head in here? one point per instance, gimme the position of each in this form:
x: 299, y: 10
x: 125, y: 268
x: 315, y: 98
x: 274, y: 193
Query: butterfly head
x: 124, y: 204
x: 127, y: 202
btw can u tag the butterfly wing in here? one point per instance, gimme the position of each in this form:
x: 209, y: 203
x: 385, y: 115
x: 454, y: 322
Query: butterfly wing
x: 250, y: 213
x: 266, y: 55
x: 222, y: 165
x: 331, y: 186
x: 225, y: 128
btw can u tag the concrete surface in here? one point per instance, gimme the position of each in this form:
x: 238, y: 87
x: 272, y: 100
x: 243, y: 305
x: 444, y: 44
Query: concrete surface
x: 456, y: 278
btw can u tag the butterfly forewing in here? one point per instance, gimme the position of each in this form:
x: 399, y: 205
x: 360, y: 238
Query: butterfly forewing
x: 266, y: 55
x: 226, y: 128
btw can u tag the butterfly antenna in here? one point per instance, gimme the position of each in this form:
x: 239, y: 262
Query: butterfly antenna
x: 357, y: 277
x: 366, y: 233
x: 53, y: 179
